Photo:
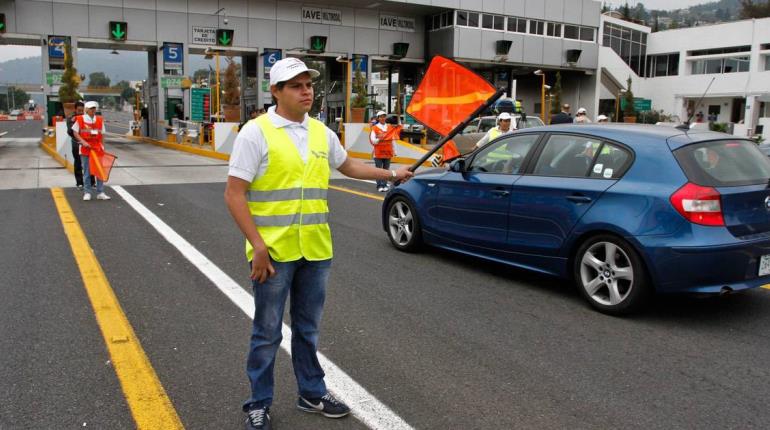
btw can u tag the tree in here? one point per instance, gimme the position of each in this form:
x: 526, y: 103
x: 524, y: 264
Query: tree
x: 14, y: 99
x: 98, y: 80
x: 126, y: 92
x: 605, y: 8
x: 231, y: 85
x: 655, y: 24
x: 201, y: 75
x: 629, y: 110
x: 556, y: 95
x: 625, y: 11
x: 749, y: 9
x: 68, y: 92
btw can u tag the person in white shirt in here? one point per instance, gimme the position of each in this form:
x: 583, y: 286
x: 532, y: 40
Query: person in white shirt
x: 89, y: 130
x: 581, y: 117
x: 276, y: 193
x: 504, y: 126
x: 383, y: 149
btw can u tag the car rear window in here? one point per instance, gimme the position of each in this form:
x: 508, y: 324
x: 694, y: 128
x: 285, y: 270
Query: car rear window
x: 724, y: 163
x: 529, y: 122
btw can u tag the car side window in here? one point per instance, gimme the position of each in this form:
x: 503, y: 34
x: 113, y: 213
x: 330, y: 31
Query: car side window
x: 568, y: 156
x: 505, y: 156
x: 611, y: 162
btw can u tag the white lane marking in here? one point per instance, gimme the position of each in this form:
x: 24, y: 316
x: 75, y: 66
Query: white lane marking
x: 364, y: 406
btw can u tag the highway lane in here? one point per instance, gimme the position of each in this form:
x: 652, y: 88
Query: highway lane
x: 445, y: 341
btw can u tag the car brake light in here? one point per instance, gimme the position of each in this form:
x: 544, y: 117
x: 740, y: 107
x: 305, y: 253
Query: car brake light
x: 698, y: 204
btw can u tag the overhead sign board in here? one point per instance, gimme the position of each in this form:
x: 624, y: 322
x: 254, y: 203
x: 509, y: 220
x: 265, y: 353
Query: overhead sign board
x: 321, y: 16
x: 53, y: 77
x: 397, y: 23
x: 360, y: 63
x: 640, y: 104
x: 270, y: 57
x: 200, y: 103
x: 173, y: 56
x: 204, y: 35
x: 171, y: 81
x: 118, y: 30
x: 56, y: 47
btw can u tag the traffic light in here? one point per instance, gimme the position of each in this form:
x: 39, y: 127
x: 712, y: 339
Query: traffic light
x: 317, y: 44
x: 118, y: 31
x: 225, y: 37
x: 2, y: 23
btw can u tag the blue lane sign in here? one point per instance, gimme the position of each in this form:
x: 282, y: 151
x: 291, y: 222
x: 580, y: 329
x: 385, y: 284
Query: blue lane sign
x: 271, y: 57
x: 56, y: 46
x: 172, y: 55
x: 361, y: 63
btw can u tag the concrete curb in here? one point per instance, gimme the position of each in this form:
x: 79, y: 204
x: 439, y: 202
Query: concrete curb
x: 59, y: 159
x: 183, y: 148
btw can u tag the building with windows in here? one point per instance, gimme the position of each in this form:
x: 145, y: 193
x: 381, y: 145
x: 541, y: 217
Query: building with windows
x: 673, y: 69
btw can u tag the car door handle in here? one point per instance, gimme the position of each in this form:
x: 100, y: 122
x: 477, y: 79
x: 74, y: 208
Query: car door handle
x: 500, y: 193
x: 577, y: 198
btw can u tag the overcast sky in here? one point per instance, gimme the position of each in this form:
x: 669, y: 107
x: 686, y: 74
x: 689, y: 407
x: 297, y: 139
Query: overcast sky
x: 11, y: 52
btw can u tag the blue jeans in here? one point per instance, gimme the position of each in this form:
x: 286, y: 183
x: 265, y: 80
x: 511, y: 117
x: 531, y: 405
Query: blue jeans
x: 88, y: 185
x: 305, y: 281
x: 382, y: 163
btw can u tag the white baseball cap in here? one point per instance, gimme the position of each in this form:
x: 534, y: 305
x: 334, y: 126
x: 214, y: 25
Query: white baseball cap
x: 91, y: 104
x: 601, y: 117
x: 582, y: 110
x: 504, y: 115
x: 380, y: 112
x: 288, y: 68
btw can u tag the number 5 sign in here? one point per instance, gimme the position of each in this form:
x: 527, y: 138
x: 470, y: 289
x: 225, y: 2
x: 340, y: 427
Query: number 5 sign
x: 173, y: 54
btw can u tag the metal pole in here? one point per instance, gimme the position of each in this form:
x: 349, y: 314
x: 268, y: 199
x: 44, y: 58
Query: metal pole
x: 218, y: 87
x: 542, y: 99
x: 458, y: 128
x: 390, y: 84
x: 349, y: 88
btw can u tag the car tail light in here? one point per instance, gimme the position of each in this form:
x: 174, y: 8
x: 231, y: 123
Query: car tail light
x: 699, y: 205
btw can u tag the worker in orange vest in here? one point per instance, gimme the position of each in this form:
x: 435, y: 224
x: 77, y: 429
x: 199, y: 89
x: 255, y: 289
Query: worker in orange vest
x: 89, y: 130
x: 383, y: 148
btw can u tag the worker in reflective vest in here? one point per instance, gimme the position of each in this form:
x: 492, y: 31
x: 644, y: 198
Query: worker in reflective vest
x: 89, y: 130
x: 276, y: 193
x: 504, y: 126
x: 383, y: 149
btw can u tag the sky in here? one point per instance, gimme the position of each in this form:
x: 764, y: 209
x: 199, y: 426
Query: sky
x: 13, y: 52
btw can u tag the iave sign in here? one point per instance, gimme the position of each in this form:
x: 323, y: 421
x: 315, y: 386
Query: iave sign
x: 321, y: 16
x: 397, y: 23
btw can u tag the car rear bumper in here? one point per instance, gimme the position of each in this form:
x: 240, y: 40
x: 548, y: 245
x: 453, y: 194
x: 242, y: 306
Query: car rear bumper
x: 705, y: 269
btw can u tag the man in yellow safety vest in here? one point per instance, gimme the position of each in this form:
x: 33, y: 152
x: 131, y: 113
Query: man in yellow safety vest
x: 276, y: 193
x: 504, y: 126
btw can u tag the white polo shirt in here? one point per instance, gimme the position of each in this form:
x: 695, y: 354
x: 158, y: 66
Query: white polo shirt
x: 249, y: 160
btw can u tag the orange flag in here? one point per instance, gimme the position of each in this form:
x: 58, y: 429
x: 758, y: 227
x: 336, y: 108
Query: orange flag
x: 100, y: 164
x: 447, y: 95
x: 450, y: 152
x: 393, y: 134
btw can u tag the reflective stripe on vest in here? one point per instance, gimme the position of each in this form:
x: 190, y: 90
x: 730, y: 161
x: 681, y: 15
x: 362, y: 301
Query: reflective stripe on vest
x: 288, y: 202
x: 85, y: 131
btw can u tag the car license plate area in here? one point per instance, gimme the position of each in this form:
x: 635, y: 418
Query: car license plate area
x: 764, y: 265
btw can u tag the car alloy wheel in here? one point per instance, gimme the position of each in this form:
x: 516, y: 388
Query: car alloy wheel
x: 610, y: 275
x: 403, y: 226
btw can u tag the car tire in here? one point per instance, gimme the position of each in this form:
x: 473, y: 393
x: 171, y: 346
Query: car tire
x: 610, y: 274
x: 404, y: 230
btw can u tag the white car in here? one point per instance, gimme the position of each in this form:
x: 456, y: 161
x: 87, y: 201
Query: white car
x: 16, y: 112
x: 466, y: 140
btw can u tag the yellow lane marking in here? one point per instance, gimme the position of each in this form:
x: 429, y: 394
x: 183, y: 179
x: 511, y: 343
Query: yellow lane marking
x: 149, y: 404
x: 358, y: 193
x: 766, y: 286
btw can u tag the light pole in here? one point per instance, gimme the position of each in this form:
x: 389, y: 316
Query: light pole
x: 214, y: 53
x: 540, y: 73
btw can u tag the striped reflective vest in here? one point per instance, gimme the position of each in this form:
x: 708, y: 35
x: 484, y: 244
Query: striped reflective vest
x: 493, y: 133
x: 91, y: 133
x: 288, y: 202
x: 383, y: 148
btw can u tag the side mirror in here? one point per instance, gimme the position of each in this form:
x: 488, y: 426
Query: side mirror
x: 457, y: 165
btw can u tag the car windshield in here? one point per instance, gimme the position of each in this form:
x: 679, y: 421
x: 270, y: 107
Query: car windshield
x: 486, y: 124
x: 724, y: 163
x: 531, y: 121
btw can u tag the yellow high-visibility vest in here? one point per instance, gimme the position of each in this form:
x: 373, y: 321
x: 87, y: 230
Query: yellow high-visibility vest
x: 493, y: 133
x: 288, y: 203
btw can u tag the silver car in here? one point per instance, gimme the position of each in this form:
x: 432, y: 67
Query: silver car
x: 466, y: 140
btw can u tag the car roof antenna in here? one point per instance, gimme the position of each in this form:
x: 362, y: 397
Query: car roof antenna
x: 686, y: 125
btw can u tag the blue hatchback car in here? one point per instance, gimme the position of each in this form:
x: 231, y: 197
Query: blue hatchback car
x: 624, y: 210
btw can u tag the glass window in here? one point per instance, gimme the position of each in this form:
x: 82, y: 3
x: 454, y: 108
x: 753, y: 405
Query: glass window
x: 535, y: 27
x: 698, y: 67
x: 661, y: 65
x: 767, y: 62
x: 636, y: 36
x: 615, y: 44
x: 565, y: 155
x: 553, y: 29
x: 724, y: 163
x: 606, y: 41
x: 499, y: 23
x: 731, y: 65
x: 450, y: 16
x: 714, y: 66
x: 587, y: 33
x: 504, y: 156
x: 644, y: 38
x: 473, y: 19
x: 521, y: 25
x: 462, y: 18
x: 611, y: 162
x: 743, y: 64
x: 571, y: 32
x: 436, y: 22
x: 486, y: 21
x: 444, y: 19
x: 673, y: 64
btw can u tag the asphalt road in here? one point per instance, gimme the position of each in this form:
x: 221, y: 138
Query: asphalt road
x: 445, y: 341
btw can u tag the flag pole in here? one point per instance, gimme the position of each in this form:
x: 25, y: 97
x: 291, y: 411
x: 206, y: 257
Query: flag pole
x: 499, y: 93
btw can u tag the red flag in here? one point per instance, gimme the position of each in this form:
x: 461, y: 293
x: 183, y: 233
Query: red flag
x: 450, y: 151
x: 393, y: 133
x: 447, y: 95
x: 100, y: 164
